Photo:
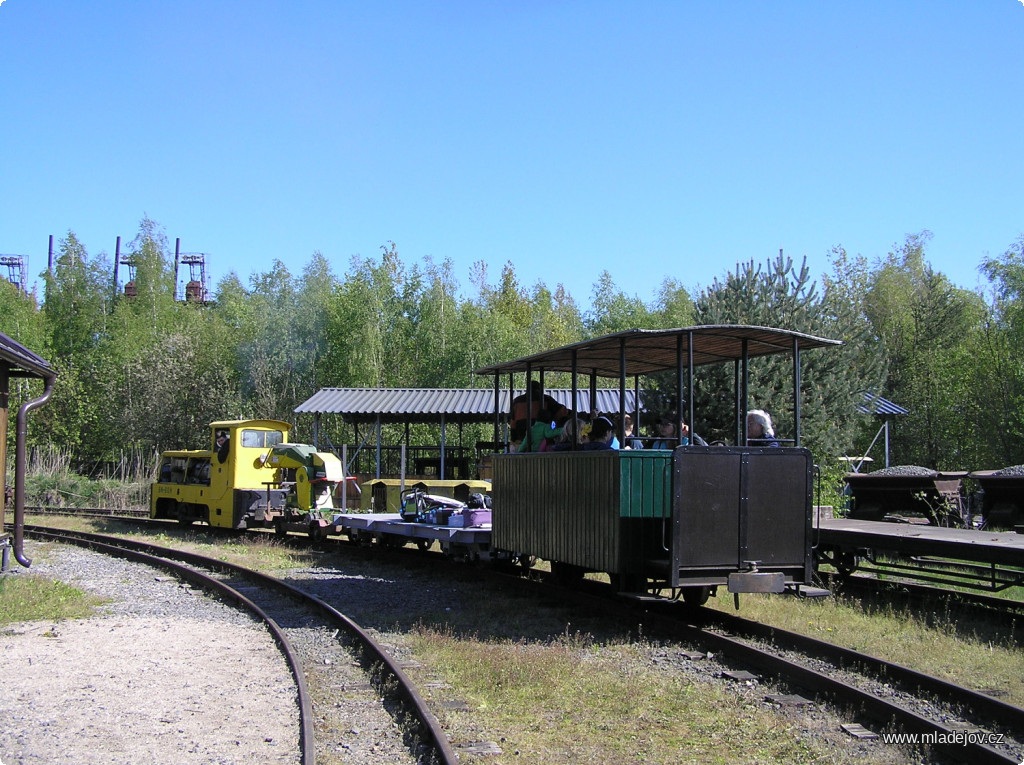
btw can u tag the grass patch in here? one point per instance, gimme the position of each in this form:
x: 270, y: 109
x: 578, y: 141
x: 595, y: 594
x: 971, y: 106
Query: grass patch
x: 571, y: 699
x: 29, y: 597
x: 52, y: 481
x: 976, y: 653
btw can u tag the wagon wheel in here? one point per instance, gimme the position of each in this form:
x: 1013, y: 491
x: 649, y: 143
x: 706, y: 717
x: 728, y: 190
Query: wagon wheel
x: 628, y: 582
x: 566, y: 573
x: 424, y: 544
x: 696, y: 596
x: 526, y: 561
x: 183, y: 512
x: 279, y: 528
x: 845, y: 562
x: 317, y: 532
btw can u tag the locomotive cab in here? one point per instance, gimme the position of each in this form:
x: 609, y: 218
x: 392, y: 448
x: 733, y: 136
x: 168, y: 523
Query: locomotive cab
x: 227, y: 485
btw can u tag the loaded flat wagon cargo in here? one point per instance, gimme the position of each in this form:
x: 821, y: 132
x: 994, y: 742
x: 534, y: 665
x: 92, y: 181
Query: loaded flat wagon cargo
x: 463, y: 535
x: 383, y: 495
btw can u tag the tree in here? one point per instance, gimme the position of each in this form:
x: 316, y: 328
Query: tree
x: 500, y: 318
x: 317, y: 287
x: 75, y: 312
x: 925, y: 324
x: 998, y: 381
x: 272, y: 357
x: 76, y: 303
x: 556, y: 318
x: 171, y: 397
x: 21, y: 320
x: 780, y: 295
x: 614, y: 311
x: 367, y: 323
x: 153, y: 275
x: 674, y: 306
x: 440, y: 353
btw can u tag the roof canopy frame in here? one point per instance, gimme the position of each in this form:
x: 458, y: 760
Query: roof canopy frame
x: 640, y: 352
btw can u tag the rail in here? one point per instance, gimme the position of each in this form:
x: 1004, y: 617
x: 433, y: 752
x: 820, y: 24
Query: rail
x: 430, y: 730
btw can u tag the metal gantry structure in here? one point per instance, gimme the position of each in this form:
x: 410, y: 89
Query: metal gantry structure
x: 17, y: 270
x: 196, y: 290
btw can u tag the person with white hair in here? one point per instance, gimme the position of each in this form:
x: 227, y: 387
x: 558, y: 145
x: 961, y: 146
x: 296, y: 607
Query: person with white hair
x: 759, y: 429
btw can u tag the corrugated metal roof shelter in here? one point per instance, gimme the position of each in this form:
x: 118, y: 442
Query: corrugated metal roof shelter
x: 439, y: 406
x: 434, y: 405
x: 637, y: 352
x: 646, y: 351
x: 875, y: 404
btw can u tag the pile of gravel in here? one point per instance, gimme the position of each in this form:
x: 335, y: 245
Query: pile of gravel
x: 906, y: 470
x: 1015, y: 470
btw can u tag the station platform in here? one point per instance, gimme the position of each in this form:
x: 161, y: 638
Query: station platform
x: 996, y: 547
x: 980, y: 560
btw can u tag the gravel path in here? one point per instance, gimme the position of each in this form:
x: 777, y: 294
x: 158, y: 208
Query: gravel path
x: 163, y: 675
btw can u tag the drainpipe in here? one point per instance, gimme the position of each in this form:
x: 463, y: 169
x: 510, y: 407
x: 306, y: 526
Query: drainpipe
x: 19, y: 471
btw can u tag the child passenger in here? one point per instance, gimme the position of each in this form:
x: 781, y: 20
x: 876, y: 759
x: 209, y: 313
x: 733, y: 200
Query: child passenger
x: 600, y: 437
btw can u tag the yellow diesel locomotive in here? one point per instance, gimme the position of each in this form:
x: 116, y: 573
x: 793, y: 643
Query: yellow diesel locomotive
x: 251, y: 476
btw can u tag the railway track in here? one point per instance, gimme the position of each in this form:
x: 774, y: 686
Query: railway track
x: 277, y: 603
x: 857, y: 680
x: 1008, y: 608
x: 957, y: 722
x: 961, y: 725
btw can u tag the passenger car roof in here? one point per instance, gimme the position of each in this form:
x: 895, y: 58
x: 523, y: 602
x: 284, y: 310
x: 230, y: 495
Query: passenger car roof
x: 655, y: 350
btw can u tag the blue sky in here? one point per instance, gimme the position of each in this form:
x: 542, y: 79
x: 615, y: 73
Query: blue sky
x: 651, y: 140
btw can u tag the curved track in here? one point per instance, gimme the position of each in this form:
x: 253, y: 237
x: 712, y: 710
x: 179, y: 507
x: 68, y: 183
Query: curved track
x: 431, y: 744
x: 706, y: 627
x: 1010, y: 607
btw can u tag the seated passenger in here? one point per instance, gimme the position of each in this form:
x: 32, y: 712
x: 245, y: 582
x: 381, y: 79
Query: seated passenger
x: 516, y: 434
x: 540, y: 432
x: 600, y: 436
x: 564, y: 441
x: 631, y: 441
x: 615, y: 439
x: 669, y: 429
x: 759, y: 429
x: 541, y: 405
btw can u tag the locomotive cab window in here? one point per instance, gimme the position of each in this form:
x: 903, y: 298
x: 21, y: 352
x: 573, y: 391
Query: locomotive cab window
x: 199, y: 471
x: 172, y: 470
x: 260, y: 439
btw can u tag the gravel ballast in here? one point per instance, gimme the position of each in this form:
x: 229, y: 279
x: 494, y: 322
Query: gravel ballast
x: 162, y: 674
